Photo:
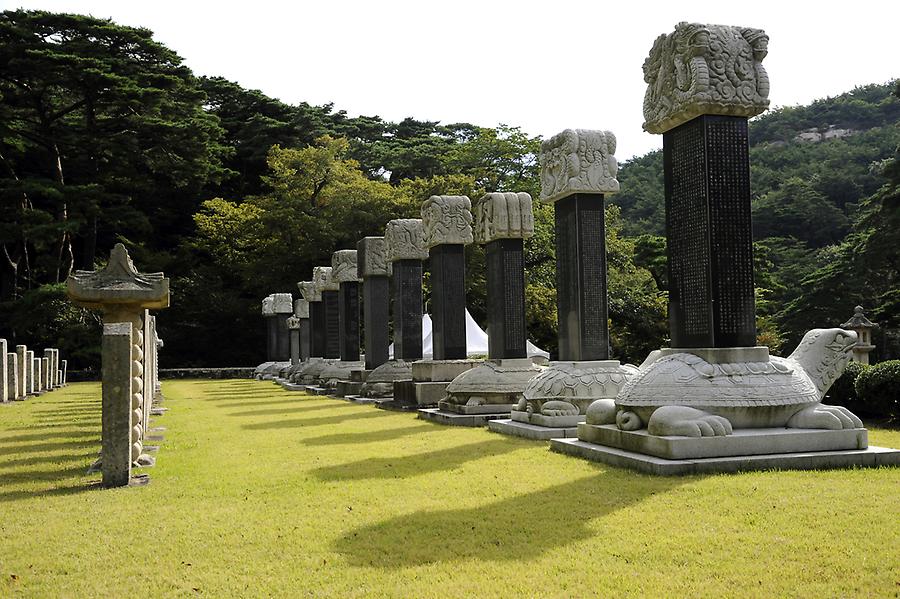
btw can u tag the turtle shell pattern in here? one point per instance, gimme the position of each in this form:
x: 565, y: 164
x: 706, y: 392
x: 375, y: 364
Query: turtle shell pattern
x: 684, y: 379
x: 562, y: 381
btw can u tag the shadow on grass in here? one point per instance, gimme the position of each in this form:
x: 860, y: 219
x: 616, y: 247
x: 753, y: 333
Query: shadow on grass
x: 61, y: 425
x: 416, y: 464
x: 368, y: 436
x: 324, y: 420
x: 40, y: 436
x: 291, y: 409
x: 519, y: 528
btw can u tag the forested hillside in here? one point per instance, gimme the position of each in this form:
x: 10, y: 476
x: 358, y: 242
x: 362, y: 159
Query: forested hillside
x: 106, y: 136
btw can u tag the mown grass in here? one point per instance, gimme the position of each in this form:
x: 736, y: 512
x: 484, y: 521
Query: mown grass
x: 261, y: 492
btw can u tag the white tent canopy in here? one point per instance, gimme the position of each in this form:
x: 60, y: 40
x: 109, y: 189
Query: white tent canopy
x: 476, y: 340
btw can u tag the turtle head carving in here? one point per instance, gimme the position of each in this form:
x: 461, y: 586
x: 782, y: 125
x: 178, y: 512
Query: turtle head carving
x: 823, y: 354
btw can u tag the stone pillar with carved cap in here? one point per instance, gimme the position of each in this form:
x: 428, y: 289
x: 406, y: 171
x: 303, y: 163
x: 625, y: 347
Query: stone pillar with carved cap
x: 344, y: 273
x: 704, y: 82
x: 301, y: 312
x: 447, y: 221
x: 329, y: 288
x: 502, y: 222
x: 578, y: 171
x: 374, y: 268
x: 122, y: 293
x: 404, y: 242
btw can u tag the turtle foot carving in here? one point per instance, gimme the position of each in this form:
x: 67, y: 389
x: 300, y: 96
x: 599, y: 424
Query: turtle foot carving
x: 602, y: 411
x: 559, y: 408
x: 827, y: 417
x: 687, y: 422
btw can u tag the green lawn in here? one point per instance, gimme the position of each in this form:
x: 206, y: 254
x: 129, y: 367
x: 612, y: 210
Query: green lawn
x: 261, y: 492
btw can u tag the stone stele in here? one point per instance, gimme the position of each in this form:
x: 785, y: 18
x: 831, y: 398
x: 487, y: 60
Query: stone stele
x: 343, y: 267
x: 578, y: 161
x: 705, y: 69
x: 405, y: 239
x: 447, y: 220
x: 503, y: 216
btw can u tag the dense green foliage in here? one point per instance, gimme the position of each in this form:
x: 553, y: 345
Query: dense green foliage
x: 106, y: 136
x: 843, y: 391
x: 878, y: 389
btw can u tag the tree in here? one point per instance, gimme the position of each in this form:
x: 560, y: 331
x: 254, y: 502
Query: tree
x: 102, y: 135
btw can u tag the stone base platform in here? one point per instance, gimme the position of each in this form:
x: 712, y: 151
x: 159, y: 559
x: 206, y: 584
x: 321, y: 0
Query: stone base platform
x: 743, y: 442
x: 315, y: 390
x: 387, y: 403
x: 345, y: 388
x: 419, y: 394
x: 453, y: 419
x: 817, y: 460
x: 293, y: 386
x: 456, y: 408
x: 531, y: 431
x: 361, y: 399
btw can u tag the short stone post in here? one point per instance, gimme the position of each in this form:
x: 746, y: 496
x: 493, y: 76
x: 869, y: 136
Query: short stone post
x: 147, y: 348
x: 123, y: 294
x: 4, y: 379
x: 404, y: 241
x: 22, y: 365
x: 33, y: 386
x: 343, y: 273
x: 502, y: 222
x: 45, y: 372
x: 374, y: 269
x: 117, y: 453
x: 447, y: 221
x: 12, y: 377
x: 38, y: 375
x: 50, y: 376
x: 63, y: 370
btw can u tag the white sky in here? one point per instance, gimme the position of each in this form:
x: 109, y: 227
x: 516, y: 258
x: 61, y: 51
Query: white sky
x: 542, y: 66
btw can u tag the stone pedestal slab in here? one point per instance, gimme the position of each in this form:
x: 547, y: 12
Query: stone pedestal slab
x: 452, y: 419
x: 4, y: 378
x: 742, y: 442
x: 441, y: 370
x: 23, y: 371
x: 872, y: 457
x: 530, y: 431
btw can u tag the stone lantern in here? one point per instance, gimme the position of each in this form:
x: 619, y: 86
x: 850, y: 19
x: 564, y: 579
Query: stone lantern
x: 863, y: 328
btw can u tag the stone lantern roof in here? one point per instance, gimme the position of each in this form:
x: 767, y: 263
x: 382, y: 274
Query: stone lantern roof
x: 859, y: 320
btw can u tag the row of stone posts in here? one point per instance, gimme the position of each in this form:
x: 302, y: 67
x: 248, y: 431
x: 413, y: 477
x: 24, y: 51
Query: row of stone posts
x: 22, y: 374
x: 129, y: 357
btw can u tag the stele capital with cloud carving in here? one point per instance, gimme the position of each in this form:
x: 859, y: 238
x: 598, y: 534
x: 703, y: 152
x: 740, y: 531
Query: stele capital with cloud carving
x: 447, y: 220
x: 578, y: 161
x: 503, y: 216
x: 405, y: 238
x: 343, y: 266
x: 705, y: 69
